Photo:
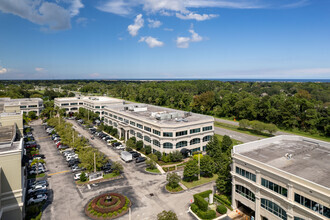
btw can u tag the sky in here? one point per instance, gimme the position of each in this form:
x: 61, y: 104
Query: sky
x: 164, y: 39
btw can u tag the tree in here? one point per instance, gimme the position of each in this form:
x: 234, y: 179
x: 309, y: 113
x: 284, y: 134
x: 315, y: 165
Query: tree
x: 83, y: 177
x: 148, y: 149
x: 190, y: 170
x: 87, y: 159
x: 167, y: 215
x: 173, y: 180
x: 207, y: 167
x: 117, y: 167
x: 226, y: 144
x: 32, y: 115
x: 176, y: 156
x: 130, y: 143
x: 158, y: 154
x: 151, y: 164
x: 139, y: 145
x: 153, y: 157
x: 271, y: 128
x: 213, y: 147
x: 244, y: 123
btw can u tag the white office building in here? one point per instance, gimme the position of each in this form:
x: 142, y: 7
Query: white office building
x: 26, y: 105
x: 284, y: 177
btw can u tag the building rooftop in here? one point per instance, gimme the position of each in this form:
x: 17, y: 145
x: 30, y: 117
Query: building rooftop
x: 159, y: 115
x: 303, y: 157
x: 91, y: 98
x: 8, y: 139
x: 9, y: 101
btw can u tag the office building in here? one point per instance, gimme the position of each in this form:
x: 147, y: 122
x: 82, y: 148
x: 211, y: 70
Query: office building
x: 25, y: 105
x: 284, y: 177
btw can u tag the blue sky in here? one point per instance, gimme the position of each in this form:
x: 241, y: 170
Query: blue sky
x: 114, y: 39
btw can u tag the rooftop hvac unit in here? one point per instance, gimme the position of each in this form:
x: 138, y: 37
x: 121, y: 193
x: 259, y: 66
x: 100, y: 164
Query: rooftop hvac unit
x: 288, y: 156
x: 125, y: 108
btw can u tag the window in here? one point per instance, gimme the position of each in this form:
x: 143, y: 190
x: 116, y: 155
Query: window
x: 139, y: 126
x: 181, y: 133
x: 156, y: 132
x: 132, y: 132
x: 147, y: 139
x: 139, y: 135
x: 195, y: 141
x: 103, y: 106
x: 316, y: 207
x: 126, y: 121
x: 147, y: 129
x: 298, y: 218
x: 106, y: 120
x: 96, y: 106
x: 80, y: 103
x: 207, y: 138
x: 110, y: 115
x: 115, y: 124
x: 73, y: 109
x: 246, y: 174
x: 64, y: 104
x: 273, y: 208
x: 132, y: 123
x: 245, y: 192
x: 115, y: 116
x: 33, y: 106
x: 274, y: 187
x: 195, y: 149
x: 106, y: 113
x: 181, y: 144
x: 156, y: 143
x: 208, y: 128
x: 73, y: 103
x: 167, y: 134
x: 23, y: 106
x: 196, y: 130
x: 120, y: 119
x: 168, y: 145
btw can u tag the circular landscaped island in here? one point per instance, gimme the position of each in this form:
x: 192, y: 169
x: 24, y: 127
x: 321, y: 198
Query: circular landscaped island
x: 107, y: 206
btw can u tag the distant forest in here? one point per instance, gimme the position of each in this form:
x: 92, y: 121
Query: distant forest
x: 289, y: 105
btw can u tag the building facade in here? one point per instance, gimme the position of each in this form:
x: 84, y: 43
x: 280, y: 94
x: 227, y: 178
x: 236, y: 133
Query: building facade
x: 95, y: 104
x: 164, y: 129
x: 284, y: 177
x: 12, y: 174
x: 25, y: 105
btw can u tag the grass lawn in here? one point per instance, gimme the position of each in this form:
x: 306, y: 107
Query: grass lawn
x: 152, y: 170
x: 236, y: 128
x: 235, y: 142
x: 162, y: 163
x: 177, y: 189
x: 203, y: 180
x: 33, y: 176
x: 305, y: 134
x: 110, y: 175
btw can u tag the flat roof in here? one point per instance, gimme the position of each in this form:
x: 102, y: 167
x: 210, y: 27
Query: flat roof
x: 90, y: 98
x: 6, y: 133
x: 7, y: 141
x: 150, y: 113
x: 303, y: 157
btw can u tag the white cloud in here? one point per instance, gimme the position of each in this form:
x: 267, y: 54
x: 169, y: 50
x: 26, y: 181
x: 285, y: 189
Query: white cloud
x: 154, y: 23
x: 151, y: 41
x: 40, y: 69
x: 120, y: 7
x: 194, y: 16
x: 168, y: 29
x: 133, y: 29
x: 94, y: 75
x: 183, y: 42
x: 82, y: 21
x: 44, y: 13
x: 3, y: 70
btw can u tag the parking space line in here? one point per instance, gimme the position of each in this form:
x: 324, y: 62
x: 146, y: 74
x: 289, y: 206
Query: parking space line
x: 42, y: 137
x: 65, y: 171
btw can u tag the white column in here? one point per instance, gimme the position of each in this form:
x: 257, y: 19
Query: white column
x: 233, y: 193
x: 258, y: 205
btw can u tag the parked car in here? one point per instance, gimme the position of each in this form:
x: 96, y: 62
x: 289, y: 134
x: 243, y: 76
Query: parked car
x: 135, y: 154
x: 76, y: 168
x: 77, y: 176
x: 120, y: 147
x: 62, y: 147
x: 140, y: 159
x: 37, y: 199
x: 37, y: 187
x: 35, y: 171
x: 39, y: 182
x: 42, y: 156
x: 37, y: 192
x: 116, y: 144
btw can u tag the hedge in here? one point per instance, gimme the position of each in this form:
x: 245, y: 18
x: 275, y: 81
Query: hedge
x: 194, y: 208
x: 221, y: 209
x: 223, y: 199
x: 204, y: 194
x: 209, y: 214
x: 200, y: 202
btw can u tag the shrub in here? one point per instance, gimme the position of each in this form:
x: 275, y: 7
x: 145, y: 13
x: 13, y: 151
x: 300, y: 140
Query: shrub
x: 99, y: 214
x: 115, y: 213
x: 109, y: 214
x: 204, y: 194
x: 194, y: 208
x: 221, y: 209
x: 223, y: 199
x: 173, y: 180
x: 104, y: 215
x: 147, y: 149
x: 200, y: 202
x: 120, y: 210
x: 83, y: 177
x: 209, y: 214
x: 158, y: 154
x: 125, y: 208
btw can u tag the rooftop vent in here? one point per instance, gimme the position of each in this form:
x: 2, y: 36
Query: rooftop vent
x: 288, y: 156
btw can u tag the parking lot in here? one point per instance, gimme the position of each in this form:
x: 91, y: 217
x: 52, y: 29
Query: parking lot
x: 145, y: 190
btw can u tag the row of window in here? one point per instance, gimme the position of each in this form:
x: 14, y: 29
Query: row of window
x: 273, y: 208
x: 246, y: 174
x: 274, y: 187
x: 30, y: 106
x: 245, y: 192
x: 316, y: 207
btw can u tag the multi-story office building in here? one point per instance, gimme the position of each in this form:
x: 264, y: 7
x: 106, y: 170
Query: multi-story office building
x: 164, y: 129
x: 12, y: 177
x: 92, y: 103
x: 284, y: 177
x: 11, y: 116
x: 26, y: 105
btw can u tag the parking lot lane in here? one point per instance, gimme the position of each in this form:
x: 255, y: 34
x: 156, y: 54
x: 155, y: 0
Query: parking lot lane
x: 65, y: 201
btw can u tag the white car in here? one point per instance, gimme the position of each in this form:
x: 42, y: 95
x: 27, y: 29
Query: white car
x: 120, y: 147
x: 34, y: 171
x: 77, y: 176
x: 69, y: 157
x: 40, y: 166
x: 37, y: 199
x: 37, y: 187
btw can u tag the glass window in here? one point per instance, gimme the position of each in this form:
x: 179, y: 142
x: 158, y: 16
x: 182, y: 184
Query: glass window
x: 156, y: 132
x: 167, y: 134
x: 139, y: 135
x: 147, y: 139
x: 181, y: 133
x: 139, y: 126
x: 120, y: 118
x: 181, y: 144
x: 207, y: 138
x: 246, y: 174
x: 132, y: 123
x: 196, y: 130
x: 208, y: 128
x: 274, y: 208
x: 245, y: 192
x: 168, y: 145
x: 156, y: 143
x: 195, y: 141
x: 147, y: 128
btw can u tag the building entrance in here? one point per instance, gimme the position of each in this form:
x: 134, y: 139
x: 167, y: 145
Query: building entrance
x: 248, y: 212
